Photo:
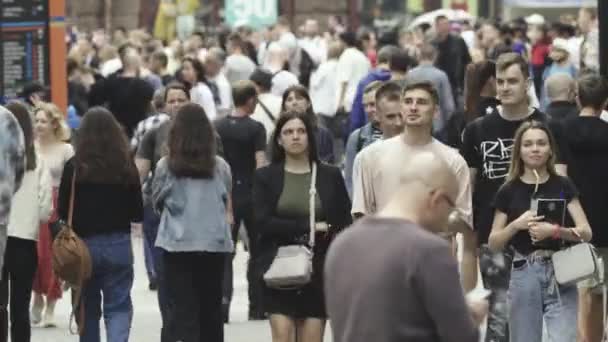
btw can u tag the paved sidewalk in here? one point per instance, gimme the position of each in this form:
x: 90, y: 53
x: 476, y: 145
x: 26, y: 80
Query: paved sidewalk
x: 146, y: 321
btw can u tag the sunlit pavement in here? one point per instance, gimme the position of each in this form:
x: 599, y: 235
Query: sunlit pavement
x: 146, y: 321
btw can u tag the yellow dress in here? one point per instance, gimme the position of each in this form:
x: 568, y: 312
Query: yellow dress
x: 164, y: 25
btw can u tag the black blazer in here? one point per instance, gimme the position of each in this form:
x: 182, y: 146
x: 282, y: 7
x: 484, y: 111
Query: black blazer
x: 274, y: 230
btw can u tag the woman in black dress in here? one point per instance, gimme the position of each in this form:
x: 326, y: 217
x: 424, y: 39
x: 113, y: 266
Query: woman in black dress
x: 281, y: 197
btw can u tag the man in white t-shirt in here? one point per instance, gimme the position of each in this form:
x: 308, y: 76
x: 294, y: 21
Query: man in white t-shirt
x: 313, y: 43
x: 353, y: 65
x: 275, y: 63
x: 323, y: 86
x: 214, y: 64
x: 268, y: 107
x: 381, y: 164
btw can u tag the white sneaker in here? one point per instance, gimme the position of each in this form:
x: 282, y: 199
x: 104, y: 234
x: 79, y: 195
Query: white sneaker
x: 49, y: 320
x: 36, y: 314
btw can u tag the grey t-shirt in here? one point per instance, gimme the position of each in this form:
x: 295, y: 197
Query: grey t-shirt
x: 154, y: 144
x: 409, y: 290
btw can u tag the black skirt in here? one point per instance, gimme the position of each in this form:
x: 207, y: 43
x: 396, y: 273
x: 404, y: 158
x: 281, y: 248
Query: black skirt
x: 305, y: 302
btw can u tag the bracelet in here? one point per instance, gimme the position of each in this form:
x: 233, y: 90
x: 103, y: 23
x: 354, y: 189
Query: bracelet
x: 556, y: 232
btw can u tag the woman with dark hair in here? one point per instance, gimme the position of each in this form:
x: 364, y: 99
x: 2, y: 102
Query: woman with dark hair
x: 480, y: 99
x: 191, y: 191
x: 297, y: 99
x: 193, y: 74
x: 107, y: 200
x: 282, y: 217
x: 535, y: 235
x: 31, y: 206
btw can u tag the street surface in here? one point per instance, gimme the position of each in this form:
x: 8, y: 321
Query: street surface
x: 146, y: 320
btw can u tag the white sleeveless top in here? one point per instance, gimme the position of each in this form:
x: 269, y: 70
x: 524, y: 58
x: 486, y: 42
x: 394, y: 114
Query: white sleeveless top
x: 55, y: 158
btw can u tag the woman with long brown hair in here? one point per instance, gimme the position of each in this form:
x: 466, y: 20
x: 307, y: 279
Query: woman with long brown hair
x: 107, y: 200
x: 52, y: 134
x: 534, y: 294
x: 193, y: 74
x: 479, y: 99
x: 31, y: 206
x: 191, y: 191
x: 281, y: 197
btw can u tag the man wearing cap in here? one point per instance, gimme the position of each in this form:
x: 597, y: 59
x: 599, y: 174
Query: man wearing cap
x: 33, y: 94
x: 268, y: 107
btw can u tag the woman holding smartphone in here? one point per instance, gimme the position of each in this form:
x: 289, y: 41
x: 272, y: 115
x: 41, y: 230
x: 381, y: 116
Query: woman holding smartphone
x: 534, y: 294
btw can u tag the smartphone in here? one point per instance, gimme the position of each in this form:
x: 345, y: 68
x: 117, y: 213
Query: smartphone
x: 553, y: 210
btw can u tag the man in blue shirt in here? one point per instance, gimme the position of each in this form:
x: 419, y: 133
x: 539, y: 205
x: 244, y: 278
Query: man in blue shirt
x: 358, y: 118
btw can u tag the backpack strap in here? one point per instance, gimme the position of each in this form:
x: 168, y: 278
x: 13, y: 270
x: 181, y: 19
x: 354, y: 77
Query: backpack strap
x: 267, y: 111
x: 360, y: 140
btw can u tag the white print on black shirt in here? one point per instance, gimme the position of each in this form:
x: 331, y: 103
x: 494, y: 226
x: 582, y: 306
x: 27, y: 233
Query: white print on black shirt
x: 496, y: 157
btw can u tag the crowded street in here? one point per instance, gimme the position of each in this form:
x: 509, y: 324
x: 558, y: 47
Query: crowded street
x: 303, y: 171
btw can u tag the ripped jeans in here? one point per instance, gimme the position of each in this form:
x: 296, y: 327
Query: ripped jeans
x: 495, y: 269
x: 534, y: 296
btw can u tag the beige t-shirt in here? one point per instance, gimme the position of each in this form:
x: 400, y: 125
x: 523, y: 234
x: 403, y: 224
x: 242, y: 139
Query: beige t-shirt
x: 377, y: 168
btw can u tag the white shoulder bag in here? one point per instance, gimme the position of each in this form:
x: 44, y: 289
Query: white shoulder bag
x: 577, y: 263
x: 292, y: 266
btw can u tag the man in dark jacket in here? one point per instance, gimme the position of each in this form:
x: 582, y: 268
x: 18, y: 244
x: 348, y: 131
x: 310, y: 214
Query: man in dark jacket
x: 125, y: 94
x: 587, y: 138
x: 453, y: 55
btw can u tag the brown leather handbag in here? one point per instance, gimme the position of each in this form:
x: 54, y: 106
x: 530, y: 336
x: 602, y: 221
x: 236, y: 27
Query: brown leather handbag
x: 72, y: 262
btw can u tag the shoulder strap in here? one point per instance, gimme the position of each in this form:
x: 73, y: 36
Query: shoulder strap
x: 360, y: 140
x: 313, y: 195
x: 266, y: 110
x: 71, y: 209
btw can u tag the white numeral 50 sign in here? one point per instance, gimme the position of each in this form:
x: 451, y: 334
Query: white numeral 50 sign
x: 255, y: 13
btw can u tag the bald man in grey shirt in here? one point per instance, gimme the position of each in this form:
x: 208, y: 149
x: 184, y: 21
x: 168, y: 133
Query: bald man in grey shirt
x: 388, y: 279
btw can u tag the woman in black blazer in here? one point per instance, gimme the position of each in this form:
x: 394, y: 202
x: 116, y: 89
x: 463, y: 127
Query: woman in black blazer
x: 281, y: 200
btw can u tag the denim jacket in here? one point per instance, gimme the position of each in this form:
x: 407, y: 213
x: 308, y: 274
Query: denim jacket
x: 192, y: 211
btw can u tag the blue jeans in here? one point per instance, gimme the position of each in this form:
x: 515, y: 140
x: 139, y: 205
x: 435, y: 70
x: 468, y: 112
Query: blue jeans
x: 150, y: 227
x: 534, y: 295
x: 112, y: 260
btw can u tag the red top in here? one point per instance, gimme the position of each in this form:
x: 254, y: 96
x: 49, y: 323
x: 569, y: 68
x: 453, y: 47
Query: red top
x: 539, y: 52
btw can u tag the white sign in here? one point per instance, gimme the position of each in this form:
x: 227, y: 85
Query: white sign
x: 253, y: 13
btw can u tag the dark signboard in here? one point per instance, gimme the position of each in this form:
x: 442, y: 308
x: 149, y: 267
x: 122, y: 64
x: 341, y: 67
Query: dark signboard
x: 24, y: 45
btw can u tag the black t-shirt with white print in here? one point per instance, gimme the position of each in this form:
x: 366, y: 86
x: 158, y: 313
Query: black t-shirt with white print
x: 487, y: 146
x: 514, y: 198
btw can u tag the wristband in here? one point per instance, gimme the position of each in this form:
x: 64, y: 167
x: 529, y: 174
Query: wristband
x: 556, y: 232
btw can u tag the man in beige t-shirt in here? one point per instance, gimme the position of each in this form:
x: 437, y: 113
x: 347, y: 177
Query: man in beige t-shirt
x: 380, y: 166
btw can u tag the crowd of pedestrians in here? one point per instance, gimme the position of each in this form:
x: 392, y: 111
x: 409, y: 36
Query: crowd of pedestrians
x: 379, y: 155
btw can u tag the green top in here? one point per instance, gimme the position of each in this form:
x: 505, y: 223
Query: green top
x: 294, y: 200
